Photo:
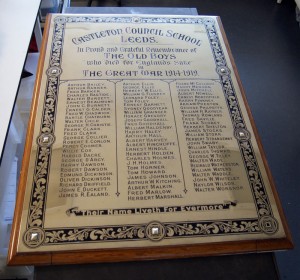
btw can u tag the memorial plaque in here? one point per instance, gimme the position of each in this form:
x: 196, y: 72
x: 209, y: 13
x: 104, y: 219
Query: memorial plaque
x: 141, y: 145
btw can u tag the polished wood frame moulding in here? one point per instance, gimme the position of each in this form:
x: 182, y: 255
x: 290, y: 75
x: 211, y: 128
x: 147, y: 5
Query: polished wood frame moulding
x: 158, y: 236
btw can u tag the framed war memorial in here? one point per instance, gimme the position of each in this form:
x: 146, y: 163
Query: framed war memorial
x: 141, y: 145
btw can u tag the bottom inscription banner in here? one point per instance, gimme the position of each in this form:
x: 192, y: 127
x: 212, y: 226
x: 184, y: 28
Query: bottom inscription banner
x: 141, y: 145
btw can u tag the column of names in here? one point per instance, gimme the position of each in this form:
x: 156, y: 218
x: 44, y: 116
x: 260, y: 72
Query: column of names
x: 85, y: 170
x: 205, y: 122
x: 152, y: 155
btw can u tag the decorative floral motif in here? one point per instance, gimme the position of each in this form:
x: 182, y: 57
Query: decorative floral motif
x: 39, y: 188
x: 95, y: 234
x: 107, y: 19
x: 212, y: 228
x: 40, y: 177
x: 138, y: 232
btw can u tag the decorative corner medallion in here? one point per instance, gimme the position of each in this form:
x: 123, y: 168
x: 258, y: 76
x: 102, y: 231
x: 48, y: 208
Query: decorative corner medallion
x: 268, y: 224
x: 223, y: 71
x: 242, y: 134
x: 34, y: 237
x: 45, y: 140
x: 136, y: 19
x: 155, y: 231
x: 54, y: 71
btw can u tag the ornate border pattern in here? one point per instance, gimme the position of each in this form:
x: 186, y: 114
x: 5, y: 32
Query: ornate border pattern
x: 154, y: 231
x: 36, y: 235
x: 241, y: 133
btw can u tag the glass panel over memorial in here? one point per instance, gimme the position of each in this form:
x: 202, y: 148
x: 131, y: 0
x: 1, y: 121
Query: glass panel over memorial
x: 142, y: 135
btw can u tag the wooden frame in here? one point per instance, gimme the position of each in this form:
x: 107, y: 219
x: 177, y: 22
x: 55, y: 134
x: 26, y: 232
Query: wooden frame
x: 88, y: 255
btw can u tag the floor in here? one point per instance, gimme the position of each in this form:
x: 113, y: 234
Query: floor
x: 265, y: 41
